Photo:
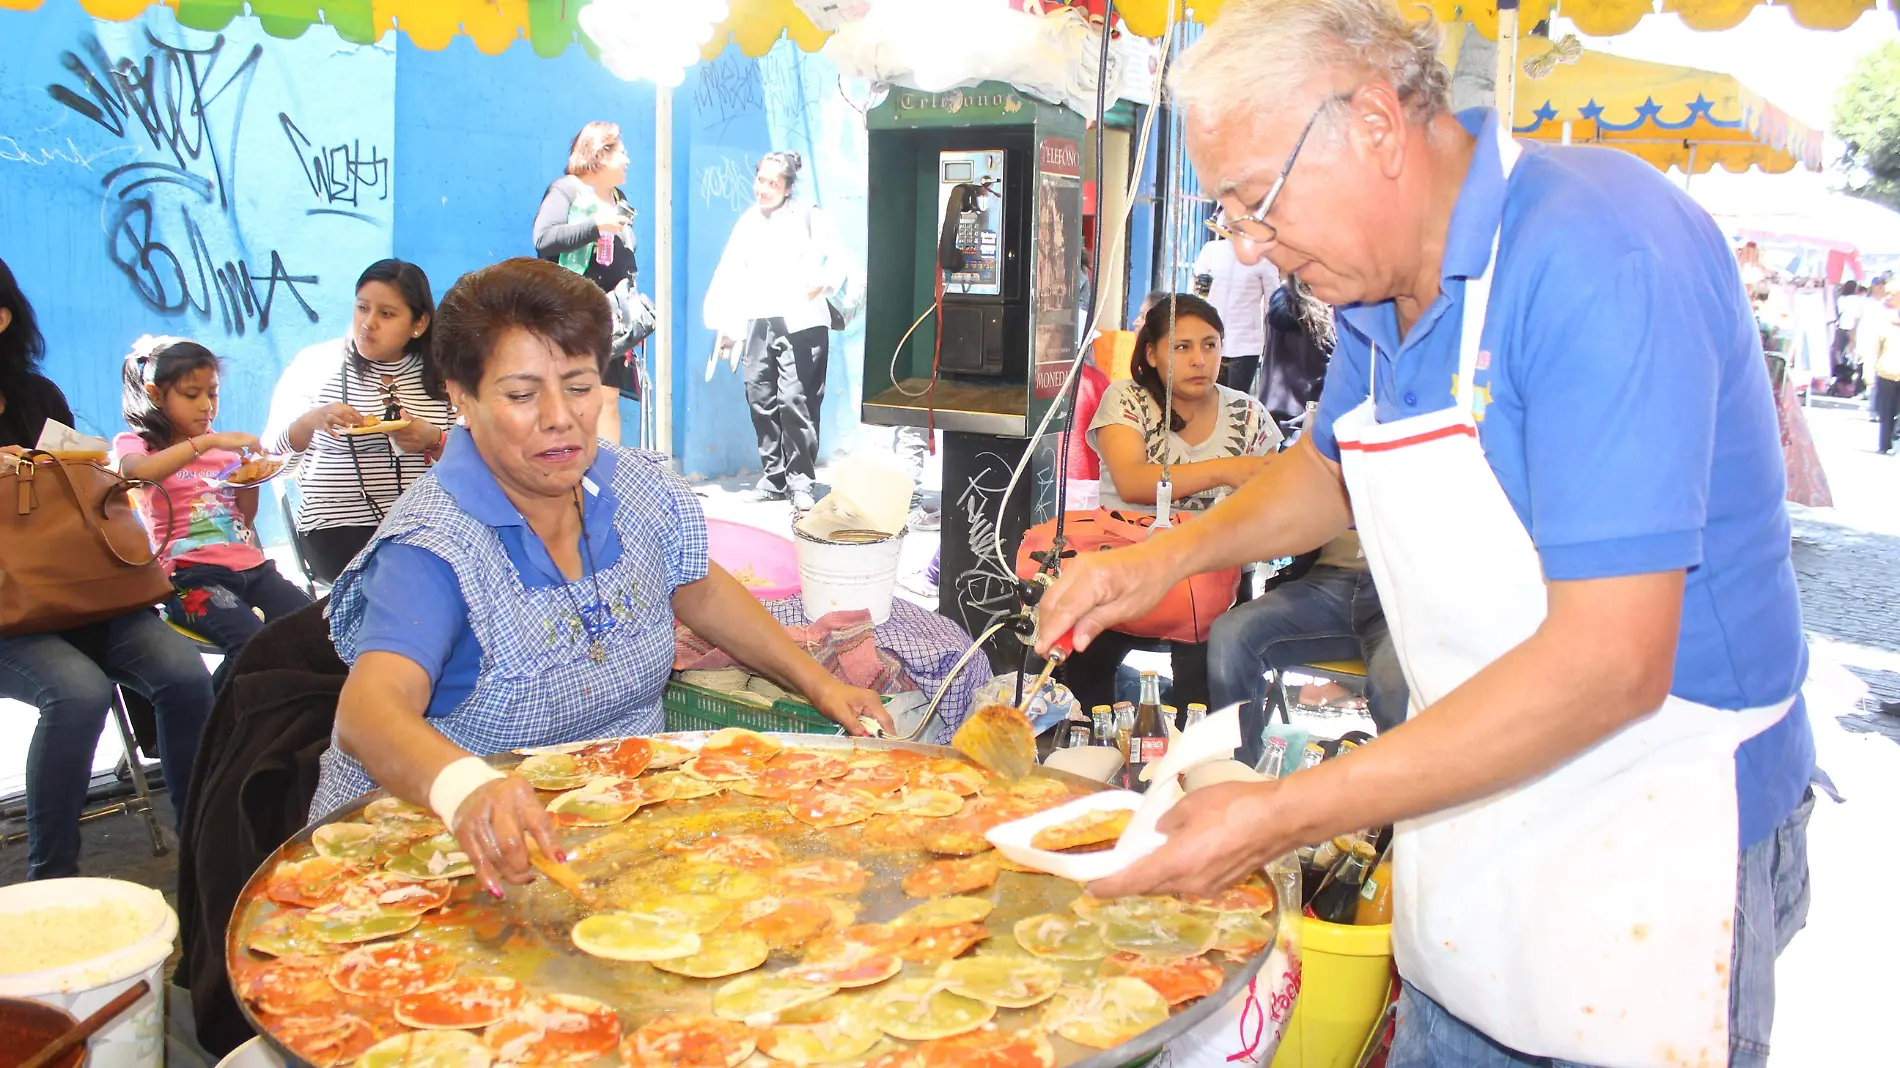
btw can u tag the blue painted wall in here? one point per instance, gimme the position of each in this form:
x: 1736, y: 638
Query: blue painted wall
x: 728, y: 114
x: 235, y: 193
x: 229, y: 188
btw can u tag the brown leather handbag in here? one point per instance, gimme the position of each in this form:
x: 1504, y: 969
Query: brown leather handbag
x: 72, y: 549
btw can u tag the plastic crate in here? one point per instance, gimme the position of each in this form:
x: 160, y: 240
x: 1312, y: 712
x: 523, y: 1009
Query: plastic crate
x: 695, y: 708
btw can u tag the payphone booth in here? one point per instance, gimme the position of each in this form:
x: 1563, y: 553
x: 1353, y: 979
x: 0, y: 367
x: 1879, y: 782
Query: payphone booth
x: 973, y: 300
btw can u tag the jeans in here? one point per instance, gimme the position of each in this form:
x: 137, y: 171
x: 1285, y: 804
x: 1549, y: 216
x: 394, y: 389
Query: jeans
x: 1330, y: 613
x: 785, y: 388
x: 1771, y: 904
x: 911, y: 446
x: 73, y: 694
x: 1886, y: 409
x: 1090, y: 674
x: 1241, y: 373
x: 217, y: 602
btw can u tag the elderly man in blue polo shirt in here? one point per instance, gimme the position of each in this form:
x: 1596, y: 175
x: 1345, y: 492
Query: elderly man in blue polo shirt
x: 1549, y: 420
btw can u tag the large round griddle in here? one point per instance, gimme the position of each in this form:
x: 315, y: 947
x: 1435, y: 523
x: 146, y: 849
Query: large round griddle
x: 545, y: 910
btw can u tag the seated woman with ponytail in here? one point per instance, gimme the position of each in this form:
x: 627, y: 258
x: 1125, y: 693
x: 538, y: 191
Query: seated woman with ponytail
x: 1210, y: 442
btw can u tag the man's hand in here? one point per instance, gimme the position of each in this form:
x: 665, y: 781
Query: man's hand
x: 846, y: 705
x: 494, y: 824
x: 1217, y: 836
x: 1098, y: 590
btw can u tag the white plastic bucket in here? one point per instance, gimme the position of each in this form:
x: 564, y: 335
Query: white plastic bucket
x: 252, y: 1054
x: 137, y: 1039
x: 838, y: 576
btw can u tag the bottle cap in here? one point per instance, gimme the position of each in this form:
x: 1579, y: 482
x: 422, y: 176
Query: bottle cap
x: 1192, y: 705
x: 1101, y: 708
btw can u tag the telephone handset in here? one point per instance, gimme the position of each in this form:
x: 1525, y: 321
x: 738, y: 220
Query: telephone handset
x: 960, y: 227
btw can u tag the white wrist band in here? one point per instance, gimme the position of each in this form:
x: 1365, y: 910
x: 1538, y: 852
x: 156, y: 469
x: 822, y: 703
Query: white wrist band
x: 455, y: 782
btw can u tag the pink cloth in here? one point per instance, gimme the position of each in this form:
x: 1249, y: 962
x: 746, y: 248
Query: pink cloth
x: 1807, y: 481
x: 202, y: 525
x: 841, y: 642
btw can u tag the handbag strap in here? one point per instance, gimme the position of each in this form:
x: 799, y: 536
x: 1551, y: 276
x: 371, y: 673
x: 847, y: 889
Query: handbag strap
x: 120, y: 485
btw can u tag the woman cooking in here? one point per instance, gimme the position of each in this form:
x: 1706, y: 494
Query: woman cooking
x: 524, y: 591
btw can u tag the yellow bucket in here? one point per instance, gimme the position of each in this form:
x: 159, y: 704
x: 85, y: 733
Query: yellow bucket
x: 1345, y: 979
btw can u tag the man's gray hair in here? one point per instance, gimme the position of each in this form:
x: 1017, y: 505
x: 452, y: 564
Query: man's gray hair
x: 1258, y: 51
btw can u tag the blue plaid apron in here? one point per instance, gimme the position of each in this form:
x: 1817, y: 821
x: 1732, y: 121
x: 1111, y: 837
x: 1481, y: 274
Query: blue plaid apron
x: 536, y: 684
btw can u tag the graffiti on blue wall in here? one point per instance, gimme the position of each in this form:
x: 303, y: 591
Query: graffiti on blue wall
x: 186, y: 105
x: 227, y: 187
x: 341, y: 176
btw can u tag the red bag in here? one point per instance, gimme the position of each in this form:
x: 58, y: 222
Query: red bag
x: 1188, y: 611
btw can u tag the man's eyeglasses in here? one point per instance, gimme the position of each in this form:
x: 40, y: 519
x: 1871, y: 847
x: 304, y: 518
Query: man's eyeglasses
x: 1254, y: 226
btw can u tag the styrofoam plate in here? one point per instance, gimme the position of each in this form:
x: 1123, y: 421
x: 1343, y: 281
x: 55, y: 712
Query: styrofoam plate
x: 1012, y: 839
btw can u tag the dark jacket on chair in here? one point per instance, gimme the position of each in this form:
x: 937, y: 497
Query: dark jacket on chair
x: 255, y: 775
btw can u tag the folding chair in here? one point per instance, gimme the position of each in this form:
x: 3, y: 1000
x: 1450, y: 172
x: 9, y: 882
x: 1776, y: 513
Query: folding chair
x: 1351, y: 672
x: 286, y: 491
x: 131, y: 768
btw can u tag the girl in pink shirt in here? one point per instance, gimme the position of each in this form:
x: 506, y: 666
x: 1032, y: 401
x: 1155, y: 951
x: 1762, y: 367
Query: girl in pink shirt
x: 223, y: 582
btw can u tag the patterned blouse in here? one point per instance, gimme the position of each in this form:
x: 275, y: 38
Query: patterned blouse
x: 1244, y: 429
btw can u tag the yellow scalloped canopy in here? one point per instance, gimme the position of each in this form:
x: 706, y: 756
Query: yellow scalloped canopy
x: 1597, y: 18
x: 551, y: 26
x: 1659, y: 112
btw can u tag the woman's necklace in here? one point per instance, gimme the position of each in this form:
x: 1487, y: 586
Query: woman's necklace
x: 590, y: 615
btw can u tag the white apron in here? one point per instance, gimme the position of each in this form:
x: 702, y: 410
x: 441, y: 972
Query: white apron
x: 1587, y: 914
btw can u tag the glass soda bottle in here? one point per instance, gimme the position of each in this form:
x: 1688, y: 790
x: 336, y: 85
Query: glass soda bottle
x: 1148, y: 742
x: 1338, y: 900
x: 1375, y: 898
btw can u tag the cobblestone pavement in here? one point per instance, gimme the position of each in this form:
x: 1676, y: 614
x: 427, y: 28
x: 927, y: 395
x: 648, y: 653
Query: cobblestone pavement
x: 1833, y: 988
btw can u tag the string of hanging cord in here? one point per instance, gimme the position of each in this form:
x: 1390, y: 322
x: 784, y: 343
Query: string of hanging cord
x: 1119, y: 231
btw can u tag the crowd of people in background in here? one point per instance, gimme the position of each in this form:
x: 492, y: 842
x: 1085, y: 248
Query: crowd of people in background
x: 1221, y: 380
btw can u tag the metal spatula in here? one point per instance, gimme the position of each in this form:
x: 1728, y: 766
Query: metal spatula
x: 1000, y: 737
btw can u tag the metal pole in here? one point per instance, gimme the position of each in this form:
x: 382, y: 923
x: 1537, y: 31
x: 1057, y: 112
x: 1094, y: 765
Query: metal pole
x: 1688, y: 174
x: 1505, y: 85
x: 1567, y: 125
x: 662, y: 399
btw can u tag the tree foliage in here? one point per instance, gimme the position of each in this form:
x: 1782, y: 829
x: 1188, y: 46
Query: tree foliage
x: 1867, y: 118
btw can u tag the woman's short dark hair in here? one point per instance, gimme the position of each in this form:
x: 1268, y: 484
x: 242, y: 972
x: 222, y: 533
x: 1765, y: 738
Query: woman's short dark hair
x: 410, y: 281
x: 591, y: 147
x: 1154, y: 328
x: 21, y: 344
x: 159, y: 366
x: 524, y: 293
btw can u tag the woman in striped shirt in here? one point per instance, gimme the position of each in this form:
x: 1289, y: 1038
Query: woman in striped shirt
x: 379, y: 370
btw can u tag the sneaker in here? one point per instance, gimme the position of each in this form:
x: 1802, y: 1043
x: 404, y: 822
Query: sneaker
x: 920, y: 583
x: 765, y: 493
x: 924, y: 517
x: 802, y: 501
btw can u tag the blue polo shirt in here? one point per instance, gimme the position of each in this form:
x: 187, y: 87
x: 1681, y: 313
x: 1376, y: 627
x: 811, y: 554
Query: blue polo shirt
x: 415, y: 606
x: 1625, y: 409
